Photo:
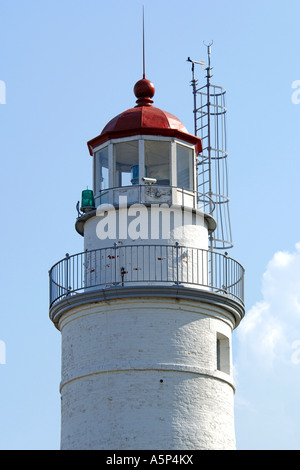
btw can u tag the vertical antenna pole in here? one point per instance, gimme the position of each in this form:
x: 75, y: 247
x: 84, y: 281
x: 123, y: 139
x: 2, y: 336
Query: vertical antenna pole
x: 144, y: 73
x: 208, y: 76
x: 194, y: 85
x: 195, y: 97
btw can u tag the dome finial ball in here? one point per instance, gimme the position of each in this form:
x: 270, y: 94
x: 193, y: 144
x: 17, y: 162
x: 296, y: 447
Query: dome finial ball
x: 144, y: 90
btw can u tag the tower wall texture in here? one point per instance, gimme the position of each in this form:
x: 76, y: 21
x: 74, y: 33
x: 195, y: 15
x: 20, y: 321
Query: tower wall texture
x: 142, y: 373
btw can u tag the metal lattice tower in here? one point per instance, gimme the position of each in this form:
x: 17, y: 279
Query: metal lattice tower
x: 210, y: 126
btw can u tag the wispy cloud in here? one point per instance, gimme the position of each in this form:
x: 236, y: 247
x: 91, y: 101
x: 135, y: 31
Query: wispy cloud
x: 271, y: 326
x: 267, y: 359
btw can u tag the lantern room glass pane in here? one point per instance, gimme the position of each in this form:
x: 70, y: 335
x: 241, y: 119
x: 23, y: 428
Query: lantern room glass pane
x: 126, y: 163
x: 102, y: 181
x: 157, y: 161
x: 185, y: 167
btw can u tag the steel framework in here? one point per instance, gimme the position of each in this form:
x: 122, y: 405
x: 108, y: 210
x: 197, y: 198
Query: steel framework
x: 210, y: 126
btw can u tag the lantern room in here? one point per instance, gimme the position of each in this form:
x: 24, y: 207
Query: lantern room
x: 146, y: 154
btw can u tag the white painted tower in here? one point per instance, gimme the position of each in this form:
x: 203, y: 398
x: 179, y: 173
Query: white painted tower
x: 146, y: 311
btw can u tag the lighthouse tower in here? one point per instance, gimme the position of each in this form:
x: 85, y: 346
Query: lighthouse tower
x: 147, y: 309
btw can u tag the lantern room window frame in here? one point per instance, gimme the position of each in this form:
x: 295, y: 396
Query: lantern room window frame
x: 141, y: 139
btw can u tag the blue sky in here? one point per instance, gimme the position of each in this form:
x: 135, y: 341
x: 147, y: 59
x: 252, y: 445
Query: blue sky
x: 69, y: 67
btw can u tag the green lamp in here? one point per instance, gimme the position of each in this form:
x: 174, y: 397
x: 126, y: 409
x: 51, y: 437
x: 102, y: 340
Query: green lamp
x: 87, y: 200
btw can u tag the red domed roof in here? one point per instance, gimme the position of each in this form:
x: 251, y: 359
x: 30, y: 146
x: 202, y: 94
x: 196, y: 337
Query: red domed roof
x: 144, y: 119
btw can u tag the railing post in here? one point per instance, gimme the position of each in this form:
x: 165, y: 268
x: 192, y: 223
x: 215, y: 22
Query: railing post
x: 210, y: 256
x: 115, y: 249
x: 67, y: 273
x: 177, y: 263
x: 50, y: 285
x: 243, y: 284
x: 225, y: 272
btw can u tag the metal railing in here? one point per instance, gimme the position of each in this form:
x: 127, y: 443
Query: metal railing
x: 146, y: 265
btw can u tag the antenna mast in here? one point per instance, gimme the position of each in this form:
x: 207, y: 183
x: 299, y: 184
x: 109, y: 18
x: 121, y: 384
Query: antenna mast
x: 144, y: 73
x: 210, y: 126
